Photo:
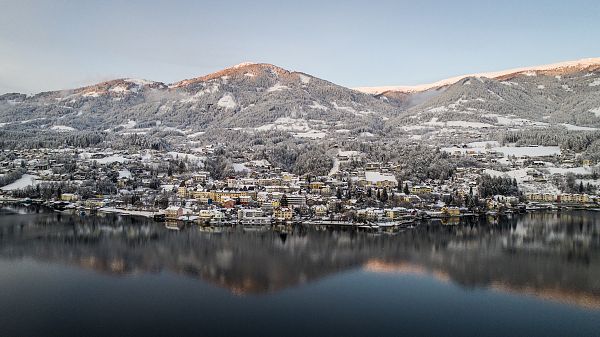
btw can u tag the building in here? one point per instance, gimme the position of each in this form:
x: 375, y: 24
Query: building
x: 173, y: 212
x: 378, y: 179
x: 421, y: 189
x: 451, y: 211
x: 320, y: 210
x: 283, y: 213
x: 253, y: 216
x: 182, y: 191
x: 211, y: 216
x: 69, y: 197
x: 396, y: 212
x: 296, y: 200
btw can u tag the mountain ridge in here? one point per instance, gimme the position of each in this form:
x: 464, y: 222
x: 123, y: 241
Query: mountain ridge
x: 575, y: 65
x: 264, y: 97
x: 249, y: 95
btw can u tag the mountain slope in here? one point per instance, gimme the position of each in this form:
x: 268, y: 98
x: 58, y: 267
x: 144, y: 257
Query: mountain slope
x: 563, y: 68
x: 245, y: 96
x: 544, y: 97
x: 261, y: 97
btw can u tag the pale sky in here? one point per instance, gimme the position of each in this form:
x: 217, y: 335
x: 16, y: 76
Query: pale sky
x: 59, y: 44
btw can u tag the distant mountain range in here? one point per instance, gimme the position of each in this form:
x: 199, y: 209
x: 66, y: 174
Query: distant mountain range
x: 256, y: 96
x: 561, y: 67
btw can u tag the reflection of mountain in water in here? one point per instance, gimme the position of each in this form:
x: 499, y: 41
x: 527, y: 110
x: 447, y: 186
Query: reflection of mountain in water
x: 545, y: 254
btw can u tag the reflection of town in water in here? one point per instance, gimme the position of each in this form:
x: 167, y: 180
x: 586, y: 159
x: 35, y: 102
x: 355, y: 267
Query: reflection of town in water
x: 550, y: 255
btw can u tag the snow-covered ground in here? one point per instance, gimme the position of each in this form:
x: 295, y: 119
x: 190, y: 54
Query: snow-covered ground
x: 196, y: 134
x: 192, y: 158
x: 128, y: 212
x: 129, y: 125
x: 304, y: 78
x: 277, y: 87
x: 596, y: 82
x: 574, y: 170
x: 312, y: 134
x: 25, y: 181
x: 227, y: 102
x: 240, y: 167
x: 526, y: 183
x: 287, y: 124
x: 109, y: 159
x: 62, y: 128
x: 578, y: 128
x: 514, y: 121
x: 528, y: 151
x: 336, y: 167
x: 375, y: 177
x: 520, y: 152
x: 125, y: 174
x: 317, y: 106
x: 460, y: 124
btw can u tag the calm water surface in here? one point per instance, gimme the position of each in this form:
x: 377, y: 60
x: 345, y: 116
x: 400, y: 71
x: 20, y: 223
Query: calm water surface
x: 531, y: 275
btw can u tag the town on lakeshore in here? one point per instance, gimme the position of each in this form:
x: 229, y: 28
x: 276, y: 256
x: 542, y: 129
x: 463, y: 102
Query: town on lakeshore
x: 175, y: 187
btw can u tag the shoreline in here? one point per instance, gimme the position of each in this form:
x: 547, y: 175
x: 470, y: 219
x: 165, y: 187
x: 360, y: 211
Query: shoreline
x: 405, y: 223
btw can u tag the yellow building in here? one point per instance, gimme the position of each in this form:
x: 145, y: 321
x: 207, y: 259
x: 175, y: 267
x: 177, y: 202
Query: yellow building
x: 173, y: 212
x: 316, y: 185
x: 69, y: 197
x: 395, y: 213
x: 283, y: 213
x: 94, y: 203
x: 575, y: 198
x: 220, y: 196
x: 451, y: 211
x: 421, y: 190
x: 320, y: 210
x: 182, y: 191
x: 202, y: 196
x: 535, y: 197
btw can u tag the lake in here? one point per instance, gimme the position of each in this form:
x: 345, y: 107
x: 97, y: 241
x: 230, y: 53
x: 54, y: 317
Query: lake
x: 535, y: 274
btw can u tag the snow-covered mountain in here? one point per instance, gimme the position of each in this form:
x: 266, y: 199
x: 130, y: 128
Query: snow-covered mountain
x: 560, y: 96
x: 554, y: 68
x: 244, y: 96
x: 259, y: 97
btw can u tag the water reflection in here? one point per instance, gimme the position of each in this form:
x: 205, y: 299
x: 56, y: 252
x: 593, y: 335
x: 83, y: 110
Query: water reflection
x: 549, y: 255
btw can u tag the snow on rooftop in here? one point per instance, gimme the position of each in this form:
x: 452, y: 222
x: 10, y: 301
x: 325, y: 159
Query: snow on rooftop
x: 374, y: 177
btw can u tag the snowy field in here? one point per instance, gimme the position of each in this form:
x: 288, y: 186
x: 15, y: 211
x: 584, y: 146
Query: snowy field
x: 25, y: 181
x: 519, y: 152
